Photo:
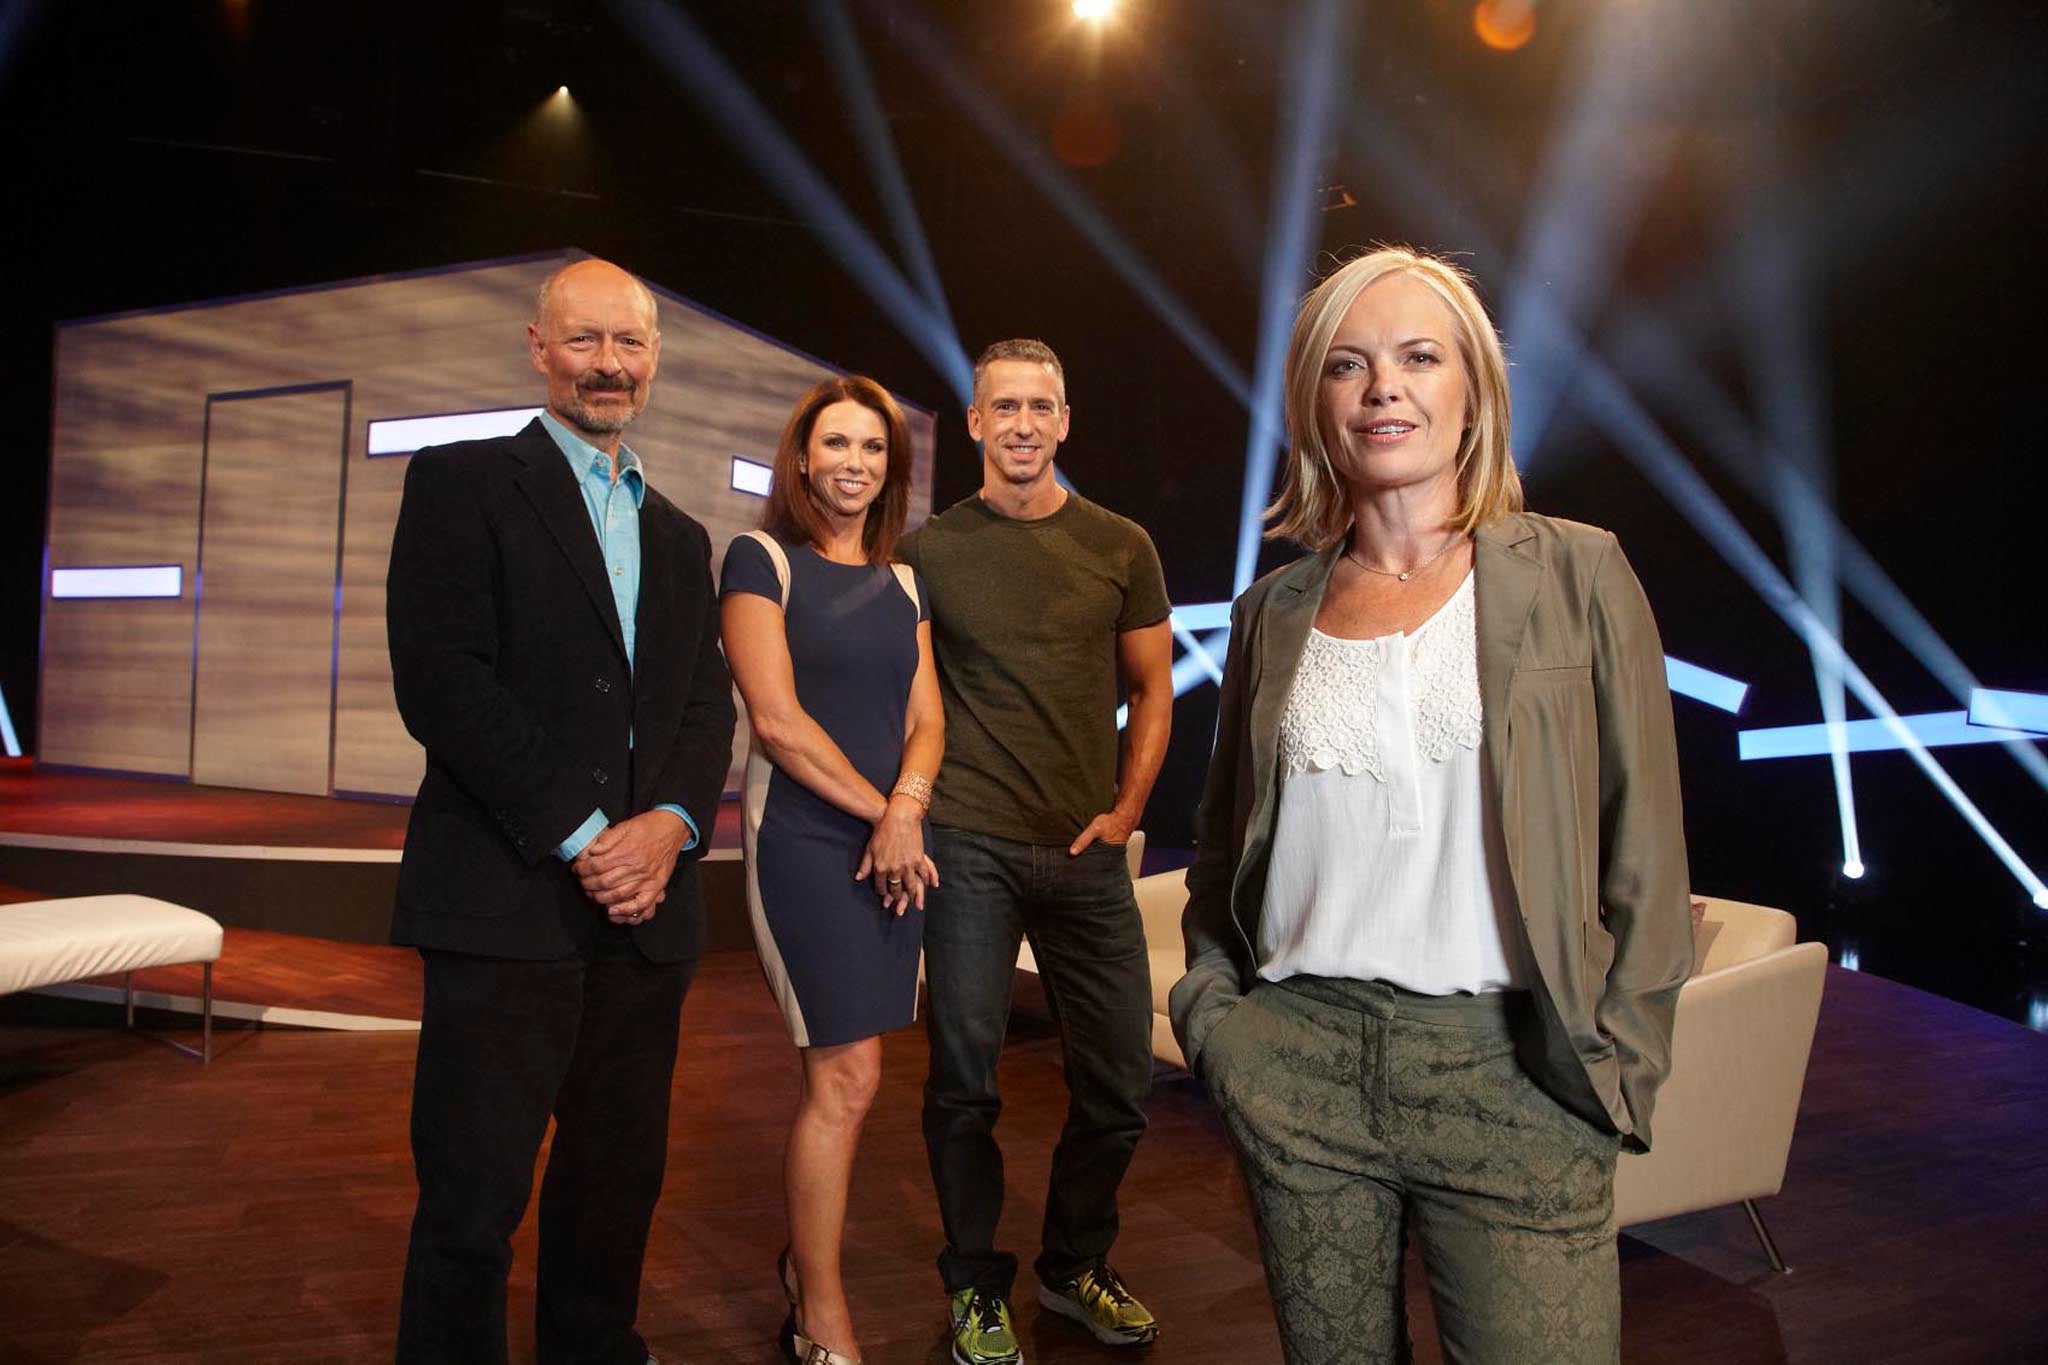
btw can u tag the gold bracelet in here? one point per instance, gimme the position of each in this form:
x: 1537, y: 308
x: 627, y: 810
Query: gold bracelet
x: 916, y: 786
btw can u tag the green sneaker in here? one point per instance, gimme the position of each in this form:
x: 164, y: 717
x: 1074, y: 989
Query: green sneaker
x: 981, y: 1330
x: 1097, y: 1300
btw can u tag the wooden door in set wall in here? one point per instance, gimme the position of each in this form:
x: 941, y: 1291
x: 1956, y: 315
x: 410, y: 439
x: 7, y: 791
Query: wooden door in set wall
x: 270, y: 536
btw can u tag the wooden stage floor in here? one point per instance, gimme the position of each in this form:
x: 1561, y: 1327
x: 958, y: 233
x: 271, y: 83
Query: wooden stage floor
x: 256, y: 1210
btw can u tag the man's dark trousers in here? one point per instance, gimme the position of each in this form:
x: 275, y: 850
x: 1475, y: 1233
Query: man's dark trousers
x: 1088, y: 938
x: 590, y: 1040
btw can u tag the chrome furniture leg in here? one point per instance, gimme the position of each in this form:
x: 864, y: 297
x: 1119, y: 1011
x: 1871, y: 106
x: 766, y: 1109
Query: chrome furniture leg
x: 1763, y: 1234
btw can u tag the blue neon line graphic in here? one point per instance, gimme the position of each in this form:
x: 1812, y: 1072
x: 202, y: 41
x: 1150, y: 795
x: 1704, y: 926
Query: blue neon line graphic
x: 8, y: 739
x: 1932, y: 729
x: 1199, y: 664
x: 1203, y: 616
x: 1190, y: 670
x: 127, y: 580
x: 1703, y: 684
x: 2012, y: 710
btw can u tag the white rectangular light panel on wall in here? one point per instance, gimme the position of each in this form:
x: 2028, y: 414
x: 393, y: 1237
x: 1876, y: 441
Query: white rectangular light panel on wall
x: 140, y: 580
x: 751, y: 476
x: 404, y: 435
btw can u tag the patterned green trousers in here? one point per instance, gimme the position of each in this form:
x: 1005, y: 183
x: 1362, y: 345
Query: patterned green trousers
x: 1359, y: 1110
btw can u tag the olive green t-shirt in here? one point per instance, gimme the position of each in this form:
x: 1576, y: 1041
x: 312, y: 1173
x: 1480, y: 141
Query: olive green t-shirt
x: 1025, y: 616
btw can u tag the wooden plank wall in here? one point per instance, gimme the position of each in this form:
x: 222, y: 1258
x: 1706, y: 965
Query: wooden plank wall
x: 126, y: 469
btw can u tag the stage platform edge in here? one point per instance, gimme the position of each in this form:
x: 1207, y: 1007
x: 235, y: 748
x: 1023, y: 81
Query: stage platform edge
x: 344, y: 894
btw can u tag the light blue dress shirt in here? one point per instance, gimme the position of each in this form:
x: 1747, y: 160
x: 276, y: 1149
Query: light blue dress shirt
x: 614, y: 507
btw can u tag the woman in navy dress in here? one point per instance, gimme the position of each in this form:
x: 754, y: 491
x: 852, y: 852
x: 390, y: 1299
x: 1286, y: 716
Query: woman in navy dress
x: 830, y: 644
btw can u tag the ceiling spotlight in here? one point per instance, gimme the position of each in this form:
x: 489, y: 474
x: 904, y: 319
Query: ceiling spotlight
x: 1853, y: 869
x: 1093, y: 9
x: 562, y: 92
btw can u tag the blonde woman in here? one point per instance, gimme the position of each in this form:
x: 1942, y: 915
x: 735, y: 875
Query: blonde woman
x: 1437, y: 920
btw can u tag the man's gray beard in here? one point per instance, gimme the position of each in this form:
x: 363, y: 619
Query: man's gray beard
x: 597, y: 424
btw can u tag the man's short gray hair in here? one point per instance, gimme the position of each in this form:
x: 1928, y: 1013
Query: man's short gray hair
x: 1027, y: 349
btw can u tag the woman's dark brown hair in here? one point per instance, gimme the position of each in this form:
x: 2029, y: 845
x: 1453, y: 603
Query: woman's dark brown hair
x: 793, y: 512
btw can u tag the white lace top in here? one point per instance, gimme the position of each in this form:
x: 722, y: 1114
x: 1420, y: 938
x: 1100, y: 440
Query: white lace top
x: 1385, y: 854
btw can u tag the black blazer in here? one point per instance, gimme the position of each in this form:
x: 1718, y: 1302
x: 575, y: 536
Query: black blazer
x: 509, y: 666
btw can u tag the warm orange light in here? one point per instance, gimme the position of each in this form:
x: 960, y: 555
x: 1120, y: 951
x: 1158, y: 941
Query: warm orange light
x: 1504, y: 24
x: 1085, y: 132
x: 1092, y: 9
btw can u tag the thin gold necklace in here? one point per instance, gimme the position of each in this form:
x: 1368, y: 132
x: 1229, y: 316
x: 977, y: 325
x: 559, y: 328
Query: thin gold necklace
x: 1351, y: 553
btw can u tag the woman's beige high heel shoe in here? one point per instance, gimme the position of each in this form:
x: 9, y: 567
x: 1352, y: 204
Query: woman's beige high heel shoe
x: 797, y: 1348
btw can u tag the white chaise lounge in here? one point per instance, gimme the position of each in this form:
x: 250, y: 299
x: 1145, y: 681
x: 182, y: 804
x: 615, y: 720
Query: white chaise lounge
x: 47, y: 943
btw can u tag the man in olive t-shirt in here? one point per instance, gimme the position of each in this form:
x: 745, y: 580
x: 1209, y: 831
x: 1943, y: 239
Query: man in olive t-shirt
x: 1041, y: 602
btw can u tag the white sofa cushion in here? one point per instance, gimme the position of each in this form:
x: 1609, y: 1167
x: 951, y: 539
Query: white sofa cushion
x: 43, y: 943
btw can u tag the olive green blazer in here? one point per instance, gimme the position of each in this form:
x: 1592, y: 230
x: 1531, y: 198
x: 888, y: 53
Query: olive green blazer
x: 1579, y: 753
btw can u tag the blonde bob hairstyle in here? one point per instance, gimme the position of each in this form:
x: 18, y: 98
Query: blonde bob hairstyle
x: 1312, y: 507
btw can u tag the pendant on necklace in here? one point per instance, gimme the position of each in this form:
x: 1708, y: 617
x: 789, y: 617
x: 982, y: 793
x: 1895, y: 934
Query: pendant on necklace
x: 1402, y: 577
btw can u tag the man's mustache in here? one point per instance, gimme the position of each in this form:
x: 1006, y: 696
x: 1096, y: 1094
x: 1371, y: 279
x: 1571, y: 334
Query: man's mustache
x: 598, y: 383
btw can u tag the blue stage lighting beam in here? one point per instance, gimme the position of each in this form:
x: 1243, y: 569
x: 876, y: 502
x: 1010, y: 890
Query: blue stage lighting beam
x: 1603, y: 398
x: 1319, y: 39
x: 8, y: 739
x: 1603, y: 157
x: 1371, y: 134
x: 857, y: 88
x: 979, y: 105
x: 1383, y: 144
x: 701, y: 71
x: 1781, y: 363
x: 1932, y: 729
x: 1648, y: 350
x: 1717, y: 690
x: 2012, y: 710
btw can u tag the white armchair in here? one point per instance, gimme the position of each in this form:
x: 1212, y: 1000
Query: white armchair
x: 1725, y: 1114
x: 1161, y: 898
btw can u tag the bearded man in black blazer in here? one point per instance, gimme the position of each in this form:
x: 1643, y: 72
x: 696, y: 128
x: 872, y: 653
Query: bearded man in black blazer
x: 554, y: 646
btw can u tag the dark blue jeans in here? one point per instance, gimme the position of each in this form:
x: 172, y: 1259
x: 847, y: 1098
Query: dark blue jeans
x: 1082, y: 918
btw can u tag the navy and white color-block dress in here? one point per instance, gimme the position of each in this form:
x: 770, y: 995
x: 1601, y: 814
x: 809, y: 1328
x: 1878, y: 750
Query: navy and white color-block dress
x: 842, y: 967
